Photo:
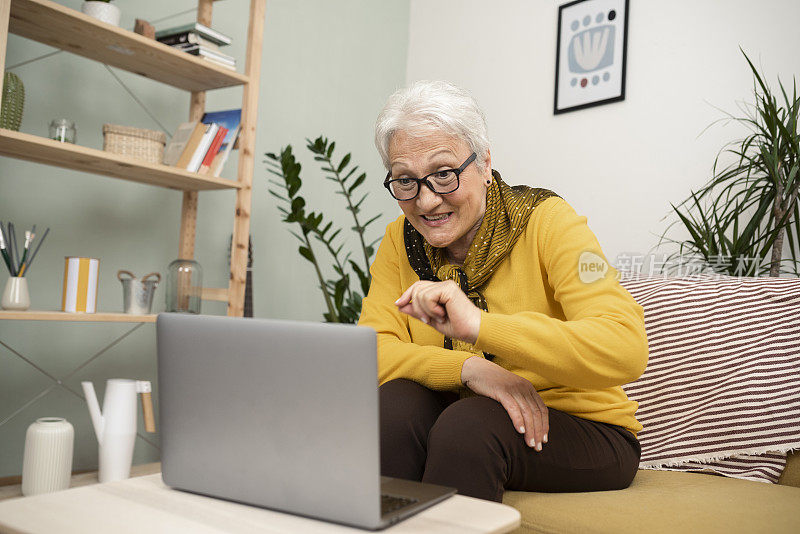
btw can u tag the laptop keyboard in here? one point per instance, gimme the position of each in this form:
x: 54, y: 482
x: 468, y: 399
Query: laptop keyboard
x: 390, y: 503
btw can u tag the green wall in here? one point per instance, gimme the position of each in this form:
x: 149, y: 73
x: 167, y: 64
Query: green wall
x: 327, y: 68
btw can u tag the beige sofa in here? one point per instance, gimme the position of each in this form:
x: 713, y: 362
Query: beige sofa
x: 669, y: 501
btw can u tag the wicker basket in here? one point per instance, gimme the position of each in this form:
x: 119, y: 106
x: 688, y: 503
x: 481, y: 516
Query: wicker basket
x: 147, y: 145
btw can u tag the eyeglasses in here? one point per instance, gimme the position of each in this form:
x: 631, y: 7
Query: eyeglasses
x: 440, y: 182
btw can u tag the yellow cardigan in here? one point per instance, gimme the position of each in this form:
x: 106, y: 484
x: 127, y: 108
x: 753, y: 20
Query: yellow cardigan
x: 576, y: 340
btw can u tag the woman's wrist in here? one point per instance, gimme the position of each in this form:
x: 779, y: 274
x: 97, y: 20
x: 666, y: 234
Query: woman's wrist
x: 475, y: 326
x: 468, y: 369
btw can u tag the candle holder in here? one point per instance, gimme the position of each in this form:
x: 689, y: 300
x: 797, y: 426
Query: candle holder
x: 63, y: 130
x: 184, y: 286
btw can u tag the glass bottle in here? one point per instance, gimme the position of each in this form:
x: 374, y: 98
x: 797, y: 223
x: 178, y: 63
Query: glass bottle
x: 184, y: 286
x: 63, y: 130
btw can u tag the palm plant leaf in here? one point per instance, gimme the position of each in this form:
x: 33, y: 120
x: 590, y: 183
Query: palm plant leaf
x: 759, y: 185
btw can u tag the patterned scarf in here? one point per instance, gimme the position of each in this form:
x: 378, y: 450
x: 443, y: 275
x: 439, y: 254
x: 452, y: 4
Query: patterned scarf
x: 507, y: 212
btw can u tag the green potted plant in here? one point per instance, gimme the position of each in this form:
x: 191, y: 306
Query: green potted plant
x: 102, y: 10
x: 741, y: 219
x: 342, y: 293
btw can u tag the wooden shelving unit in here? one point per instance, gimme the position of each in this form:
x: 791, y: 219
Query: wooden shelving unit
x: 77, y: 317
x: 52, y: 24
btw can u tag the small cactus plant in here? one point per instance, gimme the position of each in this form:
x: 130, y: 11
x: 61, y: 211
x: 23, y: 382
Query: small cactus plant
x: 13, y: 102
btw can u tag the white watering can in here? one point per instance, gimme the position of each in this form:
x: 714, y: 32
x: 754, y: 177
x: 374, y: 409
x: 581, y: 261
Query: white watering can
x: 115, y: 427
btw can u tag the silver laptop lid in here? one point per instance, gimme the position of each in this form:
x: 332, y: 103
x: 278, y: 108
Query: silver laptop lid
x: 279, y: 414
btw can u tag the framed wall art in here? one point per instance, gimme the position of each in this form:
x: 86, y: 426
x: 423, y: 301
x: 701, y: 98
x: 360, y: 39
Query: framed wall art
x: 590, y: 54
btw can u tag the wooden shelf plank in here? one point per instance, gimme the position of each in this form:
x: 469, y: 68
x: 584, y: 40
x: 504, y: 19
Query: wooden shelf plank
x: 68, y: 29
x: 100, y: 317
x: 214, y: 293
x: 41, y: 150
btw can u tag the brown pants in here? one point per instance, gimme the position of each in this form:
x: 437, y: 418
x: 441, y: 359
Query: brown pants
x: 470, y: 444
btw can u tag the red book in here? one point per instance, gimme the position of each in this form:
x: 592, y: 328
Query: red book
x: 212, y: 150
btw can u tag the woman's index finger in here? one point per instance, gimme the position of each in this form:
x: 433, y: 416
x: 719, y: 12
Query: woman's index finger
x: 405, y: 298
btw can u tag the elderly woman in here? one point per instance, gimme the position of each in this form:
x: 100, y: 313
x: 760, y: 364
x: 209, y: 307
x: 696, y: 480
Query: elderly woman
x: 504, y: 336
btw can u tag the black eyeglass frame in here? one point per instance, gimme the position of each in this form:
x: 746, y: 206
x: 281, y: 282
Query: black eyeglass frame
x: 424, y: 180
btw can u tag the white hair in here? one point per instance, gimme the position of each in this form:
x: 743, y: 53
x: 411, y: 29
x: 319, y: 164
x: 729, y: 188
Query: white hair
x: 432, y: 106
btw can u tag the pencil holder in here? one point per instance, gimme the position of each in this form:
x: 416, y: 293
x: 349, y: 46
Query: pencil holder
x: 47, y: 463
x: 15, y: 294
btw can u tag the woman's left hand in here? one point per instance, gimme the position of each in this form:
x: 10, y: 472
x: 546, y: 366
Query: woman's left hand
x: 443, y: 306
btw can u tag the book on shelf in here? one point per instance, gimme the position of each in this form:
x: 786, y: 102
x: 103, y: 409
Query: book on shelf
x: 195, y: 27
x: 218, y: 63
x: 202, y: 148
x: 224, y: 152
x: 198, y: 131
x: 213, y: 150
x: 186, y: 38
x: 189, y: 145
x: 231, y: 120
x: 198, y: 50
x: 178, y: 142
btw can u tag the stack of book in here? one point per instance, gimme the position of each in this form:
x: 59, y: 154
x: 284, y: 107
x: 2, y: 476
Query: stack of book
x: 203, y: 146
x: 199, y: 40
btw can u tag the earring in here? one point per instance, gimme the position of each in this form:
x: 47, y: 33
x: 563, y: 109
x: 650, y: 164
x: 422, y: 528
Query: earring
x: 488, y: 182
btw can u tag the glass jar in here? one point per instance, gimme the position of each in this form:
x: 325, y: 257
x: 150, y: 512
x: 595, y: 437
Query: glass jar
x: 63, y: 130
x: 184, y: 286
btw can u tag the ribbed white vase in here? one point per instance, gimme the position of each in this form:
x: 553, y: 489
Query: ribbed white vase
x: 47, y: 464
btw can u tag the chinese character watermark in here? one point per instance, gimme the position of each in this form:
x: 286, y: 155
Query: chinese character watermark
x: 592, y: 266
x: 717, y: 265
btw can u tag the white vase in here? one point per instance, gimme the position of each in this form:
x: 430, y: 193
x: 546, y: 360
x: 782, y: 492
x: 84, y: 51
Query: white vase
x: 104, y: 11
x: 15, y: 294
x: 47, y: 463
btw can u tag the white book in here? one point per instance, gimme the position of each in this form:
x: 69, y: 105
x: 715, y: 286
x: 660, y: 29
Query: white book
x: 216, y: 62
x: 202, y: 148
x: 197, y: 50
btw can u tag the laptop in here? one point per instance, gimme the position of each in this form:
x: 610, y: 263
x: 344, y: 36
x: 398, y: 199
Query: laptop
x: 278, y: 414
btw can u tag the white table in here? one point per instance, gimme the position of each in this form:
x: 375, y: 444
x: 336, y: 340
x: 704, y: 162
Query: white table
x: 145, y: 504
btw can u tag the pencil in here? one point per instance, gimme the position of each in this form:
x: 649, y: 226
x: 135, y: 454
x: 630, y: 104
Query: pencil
x: 14, y: 249
x: 36, y: 251
x: 3, y: 250
x: 10, y: 247
x: 28, y: 239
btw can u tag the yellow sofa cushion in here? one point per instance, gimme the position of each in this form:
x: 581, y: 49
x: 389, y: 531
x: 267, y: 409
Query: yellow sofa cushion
x: 664, y: 501
x: 791, y: 473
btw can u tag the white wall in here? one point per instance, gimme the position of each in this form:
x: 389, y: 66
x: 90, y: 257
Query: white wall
x: 619, y: 164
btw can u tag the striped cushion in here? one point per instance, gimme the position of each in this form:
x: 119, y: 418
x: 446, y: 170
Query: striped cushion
x: 721, y: 392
